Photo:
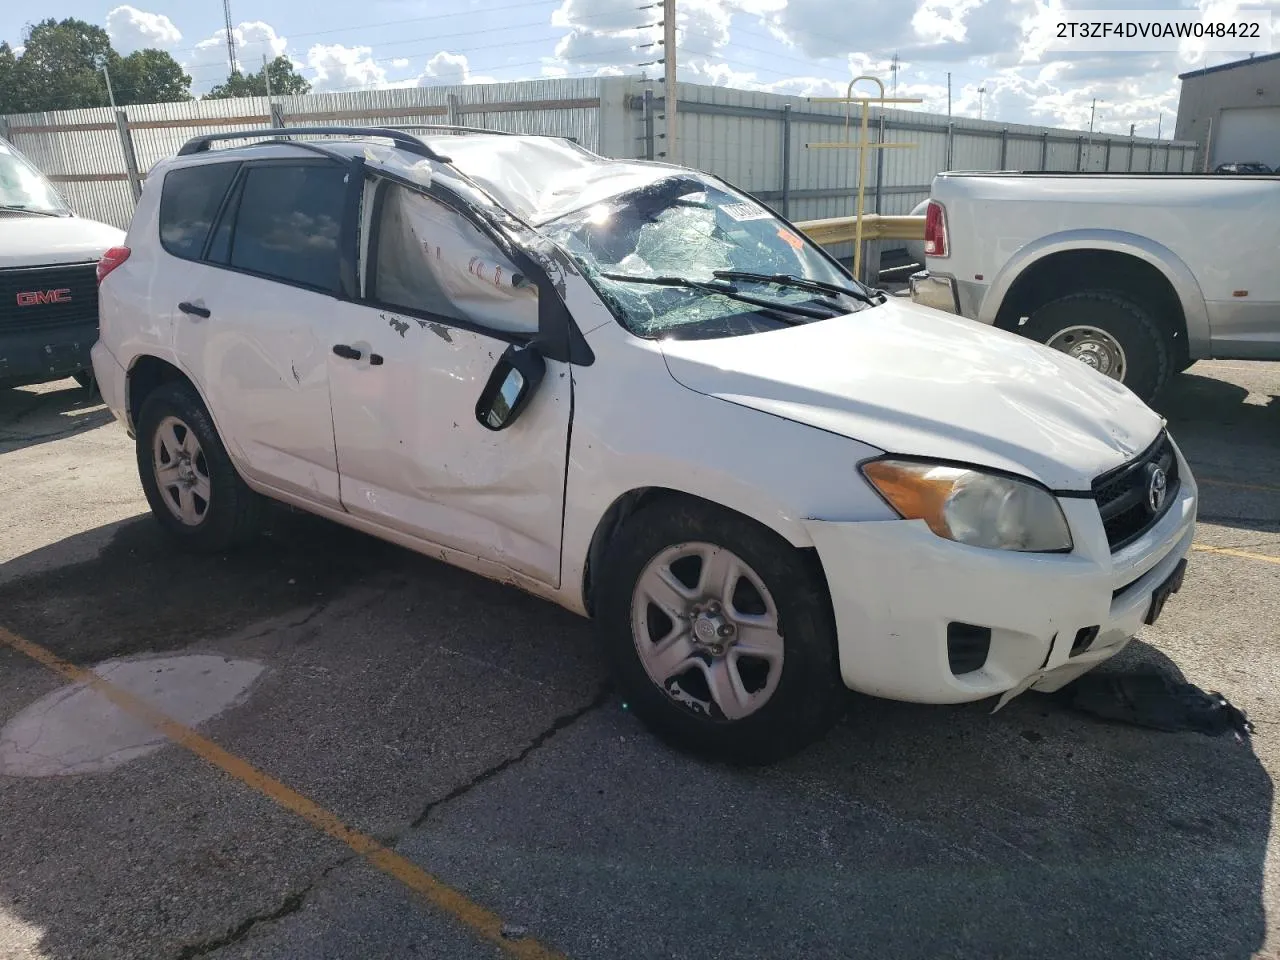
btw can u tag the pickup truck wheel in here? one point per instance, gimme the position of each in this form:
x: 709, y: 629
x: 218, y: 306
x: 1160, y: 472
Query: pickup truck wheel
x: 1115, y: 336
x: 190, y: 482
x: 720, y: 636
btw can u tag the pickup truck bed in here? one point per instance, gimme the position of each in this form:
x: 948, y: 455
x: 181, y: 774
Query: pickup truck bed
x: 1138, y: 275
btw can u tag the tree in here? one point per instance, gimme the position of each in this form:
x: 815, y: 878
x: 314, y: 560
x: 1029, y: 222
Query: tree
x: 285, y: 81
x: 149, y: 76
x: 61, y: 69
x: 8, y: 94
x: 61, y: 66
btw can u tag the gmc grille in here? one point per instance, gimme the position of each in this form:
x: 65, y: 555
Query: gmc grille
x: 1123, y: 494
x: 35, y: 298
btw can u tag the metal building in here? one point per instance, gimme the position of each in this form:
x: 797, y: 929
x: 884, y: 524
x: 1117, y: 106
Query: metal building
x: 1233, y: 110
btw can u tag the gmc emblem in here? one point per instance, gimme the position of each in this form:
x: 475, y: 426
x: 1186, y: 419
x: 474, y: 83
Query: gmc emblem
x: 31, y: 298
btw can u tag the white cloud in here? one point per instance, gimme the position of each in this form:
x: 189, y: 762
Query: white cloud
x: 255, y: 40
x: 132, y: 29
x: 400, y: 62
x: 449, y: 68
x: 339, y: 67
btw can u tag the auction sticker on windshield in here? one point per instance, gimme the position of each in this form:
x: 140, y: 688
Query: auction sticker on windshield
x: 746, y: 211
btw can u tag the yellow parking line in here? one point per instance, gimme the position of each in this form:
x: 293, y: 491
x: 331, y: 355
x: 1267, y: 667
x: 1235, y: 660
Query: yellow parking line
x: 1235, y: 485
x: 485, y: 923
x: 1228, y: 552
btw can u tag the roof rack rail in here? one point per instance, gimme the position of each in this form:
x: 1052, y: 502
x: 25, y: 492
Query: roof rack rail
x: 406, y: 141
x: 449, y: 126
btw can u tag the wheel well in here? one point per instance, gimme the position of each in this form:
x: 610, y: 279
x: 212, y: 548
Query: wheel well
x: 624, y: 506
x: 1074, y: 271
x: 147, y: 374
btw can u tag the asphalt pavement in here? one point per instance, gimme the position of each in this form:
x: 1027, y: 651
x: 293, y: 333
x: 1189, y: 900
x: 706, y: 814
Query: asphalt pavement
x: 475, y: 788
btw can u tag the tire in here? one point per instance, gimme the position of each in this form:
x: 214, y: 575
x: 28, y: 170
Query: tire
x: 795, y: 706
x: 232, y: 513
x: 84, y: 378
x: 1147, y: 349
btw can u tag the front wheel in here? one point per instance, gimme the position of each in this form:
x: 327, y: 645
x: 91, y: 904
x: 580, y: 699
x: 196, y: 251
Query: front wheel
x: 190, y: 482
x: 1114, y: 335
x: 720, y: 633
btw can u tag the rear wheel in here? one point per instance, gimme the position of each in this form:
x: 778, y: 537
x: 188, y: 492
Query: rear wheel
x: 1114, y: 335
x: 190, y: 482
x: 84, y: 378
x: 720, y: 634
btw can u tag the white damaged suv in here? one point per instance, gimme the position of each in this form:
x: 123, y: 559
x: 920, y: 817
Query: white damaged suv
x: 631, y: 389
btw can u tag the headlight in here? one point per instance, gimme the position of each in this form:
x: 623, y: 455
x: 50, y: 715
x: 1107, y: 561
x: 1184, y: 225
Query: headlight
x: 972, y: 507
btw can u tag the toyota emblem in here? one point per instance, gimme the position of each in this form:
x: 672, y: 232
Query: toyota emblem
x: 1157, y: 488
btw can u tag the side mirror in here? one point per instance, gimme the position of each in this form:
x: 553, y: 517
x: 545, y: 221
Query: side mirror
x: 511, y: 385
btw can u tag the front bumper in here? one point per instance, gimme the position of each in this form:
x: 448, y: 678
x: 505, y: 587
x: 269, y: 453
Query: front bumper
x: 896, y: 588
x: 937, y: 292
x: 41, y: 355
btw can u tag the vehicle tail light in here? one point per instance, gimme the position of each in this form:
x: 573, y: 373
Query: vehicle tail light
x: 112, y: 259
x: 935, y: 230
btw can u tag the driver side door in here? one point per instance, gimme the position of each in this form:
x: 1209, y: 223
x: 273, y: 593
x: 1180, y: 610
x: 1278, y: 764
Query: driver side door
x: 440, y: 304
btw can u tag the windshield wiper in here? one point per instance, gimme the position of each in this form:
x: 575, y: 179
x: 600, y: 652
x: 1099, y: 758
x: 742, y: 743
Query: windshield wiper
x: 21, y: 209
x: 800, y: 283
x: 726, y: 290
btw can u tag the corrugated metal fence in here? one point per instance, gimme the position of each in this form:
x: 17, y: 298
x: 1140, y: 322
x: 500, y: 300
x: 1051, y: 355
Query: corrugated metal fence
x: 762, y: 142
x: 759, y: 141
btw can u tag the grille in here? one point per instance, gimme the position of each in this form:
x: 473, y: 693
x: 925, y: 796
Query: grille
x: 1122, y: 494
x: 25, y: 293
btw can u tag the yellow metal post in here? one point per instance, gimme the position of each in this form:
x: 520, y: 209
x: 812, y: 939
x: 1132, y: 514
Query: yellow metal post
x: 862, y: 146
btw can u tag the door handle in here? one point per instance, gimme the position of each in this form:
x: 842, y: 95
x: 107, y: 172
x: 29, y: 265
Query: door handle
x: 188, y: 307
x: 348, y: 352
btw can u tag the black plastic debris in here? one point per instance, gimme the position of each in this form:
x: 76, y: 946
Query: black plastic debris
x: 1156, y: 700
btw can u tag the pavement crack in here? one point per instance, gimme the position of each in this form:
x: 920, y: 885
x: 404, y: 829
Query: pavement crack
x: 560, y: 723
x: 289, y: 905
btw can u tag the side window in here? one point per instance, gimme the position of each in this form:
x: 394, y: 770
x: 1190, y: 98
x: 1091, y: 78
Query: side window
x: 429, y: 259
x: 189, y: 200
x: 288, y: 221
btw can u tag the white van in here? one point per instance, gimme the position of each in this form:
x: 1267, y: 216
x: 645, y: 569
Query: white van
x: 48, y: 278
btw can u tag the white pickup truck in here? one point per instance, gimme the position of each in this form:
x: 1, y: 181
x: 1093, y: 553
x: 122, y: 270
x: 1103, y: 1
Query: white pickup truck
x: 48, y: 278
x: 1137, y: 275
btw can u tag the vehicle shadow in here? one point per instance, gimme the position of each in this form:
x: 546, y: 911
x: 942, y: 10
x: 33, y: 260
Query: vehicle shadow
x: 1229, y: 436
x: 30, y: 417
x: 909, y: 832
x: 1195, y: 401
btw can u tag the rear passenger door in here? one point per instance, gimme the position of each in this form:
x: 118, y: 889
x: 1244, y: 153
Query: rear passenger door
x: 253, y: 303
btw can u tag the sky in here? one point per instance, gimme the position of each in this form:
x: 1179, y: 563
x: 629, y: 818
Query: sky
x: 803, y: 47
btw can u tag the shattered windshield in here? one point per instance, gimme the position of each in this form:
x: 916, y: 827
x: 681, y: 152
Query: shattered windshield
x: 686, y: 230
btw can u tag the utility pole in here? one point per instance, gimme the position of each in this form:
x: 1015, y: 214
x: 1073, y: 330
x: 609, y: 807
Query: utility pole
x: 110, y: 95
x: 669, y: 95
x: 231, y: 38
x: 981, y: 91
x: 893, y: 69
x: 1088, y: 156
x: 948, y: 94
x: 266, y: 75
x: 1132, y: 127
x: 1159, y: 124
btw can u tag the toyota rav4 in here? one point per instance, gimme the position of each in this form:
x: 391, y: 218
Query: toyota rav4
x: 631, y: 389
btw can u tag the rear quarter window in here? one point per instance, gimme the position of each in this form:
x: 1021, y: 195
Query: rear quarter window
x: 288, y: 223
x: 189, y: 202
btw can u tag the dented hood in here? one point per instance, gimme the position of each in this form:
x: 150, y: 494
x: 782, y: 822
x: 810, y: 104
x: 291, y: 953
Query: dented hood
x: 911, y: 380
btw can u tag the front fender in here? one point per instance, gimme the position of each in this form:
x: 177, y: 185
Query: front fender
x: 1159, y: 256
